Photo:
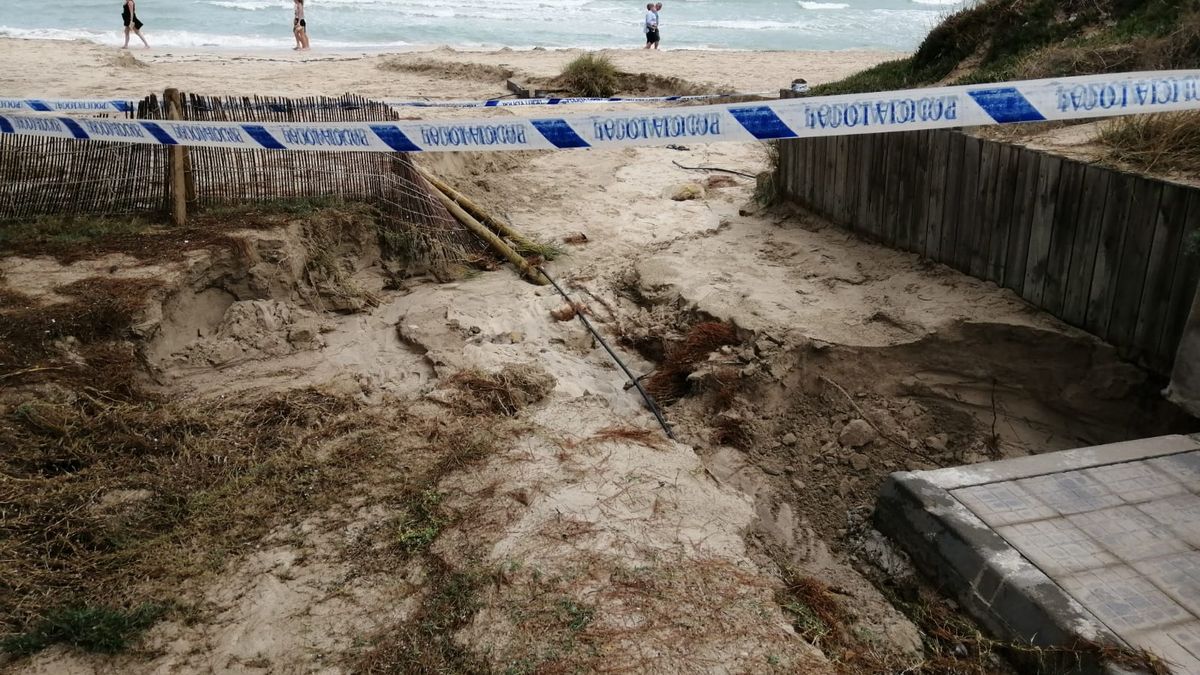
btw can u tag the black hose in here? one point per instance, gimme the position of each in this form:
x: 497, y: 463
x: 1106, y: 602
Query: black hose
x: 714, y: 168
x: 596, y: 334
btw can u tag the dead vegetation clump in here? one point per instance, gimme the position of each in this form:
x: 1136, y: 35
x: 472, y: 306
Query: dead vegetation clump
x: 446, y: 69
x: 595, y: 75
x: 1164, y: 142
x: 505, y: 392
x: 604, y: 613
x: 670, y: 380
x: 114, y: 505
x: 80, y: 340
x: 70, y: 238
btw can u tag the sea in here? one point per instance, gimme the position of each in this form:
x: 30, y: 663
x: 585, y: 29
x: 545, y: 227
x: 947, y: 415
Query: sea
x: 374, y: 25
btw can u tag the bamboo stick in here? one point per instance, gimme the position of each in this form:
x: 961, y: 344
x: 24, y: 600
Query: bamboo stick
x: 487, y: 235
x: 475, y: 210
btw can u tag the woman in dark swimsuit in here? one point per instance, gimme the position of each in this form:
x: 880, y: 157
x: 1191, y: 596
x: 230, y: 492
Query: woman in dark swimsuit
x: 132, y: 24
x: 300, y: 26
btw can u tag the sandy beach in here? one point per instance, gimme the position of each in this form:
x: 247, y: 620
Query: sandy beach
x: 640, y: 554
x: 58, y: 68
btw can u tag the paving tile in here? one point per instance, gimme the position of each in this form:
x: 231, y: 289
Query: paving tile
x: 1000, y: 504
x: 1185, y: 467
x: 1181, y: 513
x: 1070, y: 492
x: 1056, y: 546
x: 1124, y: 600
x: 1176, y: 575
x: 1174, y: 646
x: 1136, y: 481
x: 1129, y: 534
x: 1188, y: 637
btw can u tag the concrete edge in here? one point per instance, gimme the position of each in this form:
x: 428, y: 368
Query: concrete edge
x: 1057, y: 462
x: 1008, y: 595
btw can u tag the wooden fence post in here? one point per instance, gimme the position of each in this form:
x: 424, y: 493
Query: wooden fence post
x: 177, y: 171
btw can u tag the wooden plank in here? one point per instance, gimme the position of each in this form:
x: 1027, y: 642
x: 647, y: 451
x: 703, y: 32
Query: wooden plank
x: 865, y: 169
x: 822, y: 176
x: 831, y: 187
x: 1007, y: 165
x: 1160, y: 275
x: 1135, y: 259
x: 952, y: 210
x: 906, y: 191
x: 1062, y: 238
x: 1092, y: 201
x: 939, y: 148
x: 1041, y: 227
x: 1187, y: 280
x: 968, y: 212
x: 799, y: 175
x: 919, y: 199
x: 849, y: 208
x: 990, y: 154
x: 517, y: 89
x: 814, y: 173
x: 890, y: 220
x: 1118, y: 201
x: 837, y: 198
x: 1018, y: 238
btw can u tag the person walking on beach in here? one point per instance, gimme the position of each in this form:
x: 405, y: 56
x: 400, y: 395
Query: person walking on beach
x: 300, y: 26
x: 650, y: 27
x: 132, y: 24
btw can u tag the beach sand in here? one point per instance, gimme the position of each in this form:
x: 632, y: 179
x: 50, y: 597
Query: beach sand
x: 694, y: 516
x: 55, y: 69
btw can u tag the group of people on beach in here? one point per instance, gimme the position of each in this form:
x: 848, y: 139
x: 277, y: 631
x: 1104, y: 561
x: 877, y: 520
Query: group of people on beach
x: 133, y: 25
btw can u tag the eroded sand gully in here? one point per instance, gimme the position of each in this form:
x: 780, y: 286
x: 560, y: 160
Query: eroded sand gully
x: 851, y: 361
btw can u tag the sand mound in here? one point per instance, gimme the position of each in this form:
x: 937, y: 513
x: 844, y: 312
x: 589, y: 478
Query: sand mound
x: 257, y: 329
x: 126, y: 59
x: 447, y: 69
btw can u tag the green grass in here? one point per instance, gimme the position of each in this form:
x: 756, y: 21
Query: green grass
x: 422, y: 523
x: 66, y: 230
x: 590, y: 75
x: 1168, y: 141
x: 289, y: 206
x: 1000, y: 40
x: 92, y: 628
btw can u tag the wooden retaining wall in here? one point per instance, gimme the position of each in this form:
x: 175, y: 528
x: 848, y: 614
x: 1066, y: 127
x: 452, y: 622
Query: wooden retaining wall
x: 1101, y: 249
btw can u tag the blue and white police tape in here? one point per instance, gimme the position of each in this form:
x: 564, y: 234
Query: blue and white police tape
x: 963, y: 106
x: 100, y: 105
x: 56, y: 105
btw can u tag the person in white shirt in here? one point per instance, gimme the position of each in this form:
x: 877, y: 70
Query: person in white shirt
x: 299, y: 25
x: 650, y: 26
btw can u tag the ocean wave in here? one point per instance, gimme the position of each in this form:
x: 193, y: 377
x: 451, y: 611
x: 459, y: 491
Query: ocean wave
x: 823, y: 5
x: 176, y: 38
x: 251, y: 5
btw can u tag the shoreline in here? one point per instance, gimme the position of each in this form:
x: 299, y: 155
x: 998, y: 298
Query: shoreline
x: 367, y: 50
x: 60, y: 69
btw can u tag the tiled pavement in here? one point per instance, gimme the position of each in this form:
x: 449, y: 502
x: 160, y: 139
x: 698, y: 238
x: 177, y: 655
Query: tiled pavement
x: 1115, y: 529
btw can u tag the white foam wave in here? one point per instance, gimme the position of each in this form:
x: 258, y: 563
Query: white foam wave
x: 823, y: 5
x: 177, y: 39
x: 250, y: 5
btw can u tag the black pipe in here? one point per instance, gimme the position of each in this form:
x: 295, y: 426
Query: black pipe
x: 596, y: 334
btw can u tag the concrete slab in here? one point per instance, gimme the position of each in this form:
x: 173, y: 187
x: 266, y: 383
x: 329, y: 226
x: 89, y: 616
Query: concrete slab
x: 1100, y: 543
